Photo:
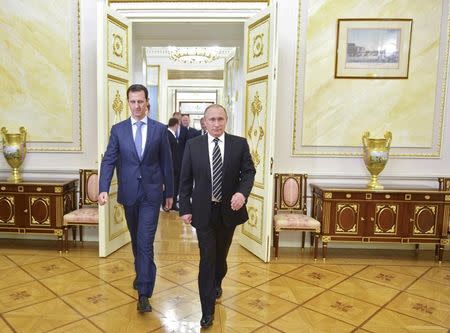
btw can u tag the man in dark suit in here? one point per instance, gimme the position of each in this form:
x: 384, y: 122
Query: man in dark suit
x: 216, y: 178
x: 139, y: 151
x: 186, y: 122
x: 172, y: 128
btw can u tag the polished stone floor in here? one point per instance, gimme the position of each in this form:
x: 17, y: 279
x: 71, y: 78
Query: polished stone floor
x: 356, y: 290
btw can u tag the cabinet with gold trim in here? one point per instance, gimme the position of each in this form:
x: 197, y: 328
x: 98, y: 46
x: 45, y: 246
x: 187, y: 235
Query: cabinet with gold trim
x: 392, y: 215
x: 36, y: 207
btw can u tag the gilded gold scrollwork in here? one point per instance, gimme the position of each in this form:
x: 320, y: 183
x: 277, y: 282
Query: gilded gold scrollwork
x: 117, y: 106
x: 252, y: 216
x: 118, y: 214
x: 117, y: 45
x: 258, y: 46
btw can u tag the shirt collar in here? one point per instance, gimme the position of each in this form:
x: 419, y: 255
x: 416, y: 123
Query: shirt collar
x: 134, y: 121
x: 221, y: 138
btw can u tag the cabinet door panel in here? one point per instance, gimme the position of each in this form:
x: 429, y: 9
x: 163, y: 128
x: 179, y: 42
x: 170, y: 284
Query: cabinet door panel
x: 386, y: 219
x: 39, y: 211
x: 424, y: 220
x: 347, y: 217
x: 7, y: 208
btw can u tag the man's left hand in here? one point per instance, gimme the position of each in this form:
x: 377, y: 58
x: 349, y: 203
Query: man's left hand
x: 237, y: 201
x: 169, y: 202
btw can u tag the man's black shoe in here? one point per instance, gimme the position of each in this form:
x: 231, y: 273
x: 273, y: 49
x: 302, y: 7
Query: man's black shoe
x: 206, y: 321
x: 218, y: 291
x: 143, y: 305
x: 135, y: 284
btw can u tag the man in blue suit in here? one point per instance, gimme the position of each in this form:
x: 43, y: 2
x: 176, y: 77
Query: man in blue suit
x: 139, y: 150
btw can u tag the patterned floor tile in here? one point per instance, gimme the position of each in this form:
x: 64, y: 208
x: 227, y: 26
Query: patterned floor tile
x: 180, y: 272
x: 89, y: 262
x: 13, y: 275
x: 342, y: 307
x: 440, y: 292
x: 386, y: 277
x: 409, y: 270
x: 230, y: 288
x: 291, y: 289
x: 5, y: 262
x: 342, y: 269
x: 52, y: 267
x: 439, y: 274
x: 305, y: 320
x: 250, y: 275
x: 259, y: 305
x: 366, y: 291
x: 176, y: 303
x: 22, y: 295
x: 276, y: 268
x: 4, y: 328
x: 24, y: 259
x: 97, y: 299
x: 225, y: 320
x: 267, y: 329
x: 317, y: 276
x: 77, y: 327
x: 113, y: 270
x: 421, y: 308
x: 42, y: 317
x: 390, y: 321
x: 126, y: 319
x: 79, y: 280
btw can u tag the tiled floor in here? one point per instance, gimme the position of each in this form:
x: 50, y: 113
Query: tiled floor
x: 356, y: 290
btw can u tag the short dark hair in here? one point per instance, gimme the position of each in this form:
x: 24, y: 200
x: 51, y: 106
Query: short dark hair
x: 136, y: 88
x: 185, y: 114
x: 173, y: 121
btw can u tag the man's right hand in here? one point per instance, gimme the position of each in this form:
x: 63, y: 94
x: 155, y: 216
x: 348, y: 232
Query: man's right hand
x: 102, y: 198
x: 187, y: 218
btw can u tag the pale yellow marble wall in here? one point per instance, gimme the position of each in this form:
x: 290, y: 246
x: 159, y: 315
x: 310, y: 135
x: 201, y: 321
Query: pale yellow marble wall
x: 36, y: 82
x: 337, y: 111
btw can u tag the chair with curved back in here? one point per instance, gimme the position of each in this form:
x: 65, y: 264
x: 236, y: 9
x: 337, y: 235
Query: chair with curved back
x: 290, y: 212
x: 444, y: 185
x: 87, y: 212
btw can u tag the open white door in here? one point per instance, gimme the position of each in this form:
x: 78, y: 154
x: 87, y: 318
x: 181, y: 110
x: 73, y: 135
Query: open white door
x: 113, y: 77
x: 260, y: 61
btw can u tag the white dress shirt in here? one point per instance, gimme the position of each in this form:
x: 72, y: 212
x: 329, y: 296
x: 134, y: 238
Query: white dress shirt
x: 211, y: 145
x: 143, y: 129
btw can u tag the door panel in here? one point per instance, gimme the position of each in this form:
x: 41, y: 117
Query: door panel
x: 260, y: 60
x: 113, y: 77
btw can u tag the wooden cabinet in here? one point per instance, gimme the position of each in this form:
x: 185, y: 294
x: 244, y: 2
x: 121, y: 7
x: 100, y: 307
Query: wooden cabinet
x: 391, y: 215
x: 36, y: 206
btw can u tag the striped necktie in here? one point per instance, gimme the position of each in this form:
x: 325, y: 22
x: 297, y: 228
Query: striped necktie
x: 217, y: 171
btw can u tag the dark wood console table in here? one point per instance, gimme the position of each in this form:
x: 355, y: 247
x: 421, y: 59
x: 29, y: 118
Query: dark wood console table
x: 36, y: 207
x: 416, y: 215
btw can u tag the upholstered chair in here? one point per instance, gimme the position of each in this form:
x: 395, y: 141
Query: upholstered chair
x: 87, y: 212
x: 290, y: 213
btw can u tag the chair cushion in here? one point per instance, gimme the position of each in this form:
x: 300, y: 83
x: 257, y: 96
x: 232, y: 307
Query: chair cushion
x: 295, y: 221
x: 87, y: 215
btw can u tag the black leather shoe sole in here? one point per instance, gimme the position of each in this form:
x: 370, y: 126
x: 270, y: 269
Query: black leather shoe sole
x: 135, y: 284
x: 207, y: 321
x: 218, y: 292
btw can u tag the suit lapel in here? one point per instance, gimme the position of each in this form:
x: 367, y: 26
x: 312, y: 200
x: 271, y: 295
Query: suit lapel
x: 205, y: 147
x: 150, y: 133
x: 227, y: 152
x: 129, y: 134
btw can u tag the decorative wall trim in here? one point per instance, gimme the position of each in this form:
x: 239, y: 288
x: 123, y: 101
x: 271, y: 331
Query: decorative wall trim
x: 174, y: 74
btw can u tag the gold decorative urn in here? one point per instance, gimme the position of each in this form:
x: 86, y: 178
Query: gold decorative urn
x: 14, y: 150
x: 376, y: 155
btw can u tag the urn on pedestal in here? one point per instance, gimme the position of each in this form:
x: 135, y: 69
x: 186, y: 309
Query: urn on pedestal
x: 376, y: 155
x: 14, y: 150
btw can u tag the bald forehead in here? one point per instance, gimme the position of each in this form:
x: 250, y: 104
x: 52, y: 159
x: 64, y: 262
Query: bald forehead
x: 216, y: 109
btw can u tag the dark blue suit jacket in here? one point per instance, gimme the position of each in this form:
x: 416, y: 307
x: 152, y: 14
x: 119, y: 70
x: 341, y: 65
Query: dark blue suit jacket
x: 154, y: 171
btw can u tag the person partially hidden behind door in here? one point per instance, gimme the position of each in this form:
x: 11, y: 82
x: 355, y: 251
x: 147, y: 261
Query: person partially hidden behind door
x: 139, y: 151
x: 217, y: 175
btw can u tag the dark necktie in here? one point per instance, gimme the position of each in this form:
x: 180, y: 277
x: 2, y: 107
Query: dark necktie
x: 217, y: 171
x: 138, y: 138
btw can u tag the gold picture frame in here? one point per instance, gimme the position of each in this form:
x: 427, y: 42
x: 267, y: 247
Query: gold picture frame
x: 373, y: 48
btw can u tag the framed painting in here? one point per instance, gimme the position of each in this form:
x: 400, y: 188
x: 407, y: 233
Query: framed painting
x: 373, y: 48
